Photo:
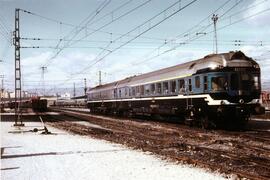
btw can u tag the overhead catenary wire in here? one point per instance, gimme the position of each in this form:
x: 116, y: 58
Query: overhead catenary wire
x: 107, y: 41
x: 88, y: 28
x: 4, y: 26
x: 134, y: 36
x: 78, y: 26
x: 195, y: 37
x: 5, y: 32
x: 87, y: 20
x: 175, y: 47
x: 148, y: 29
x: 207, y: 42
x: 217, y: 29
x: 119, y: 17
x: 190, y: 30
x: 5, y: 36
x: 111, y: 12
x: 7, y: 23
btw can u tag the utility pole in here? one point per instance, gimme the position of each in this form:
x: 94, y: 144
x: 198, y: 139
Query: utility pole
x: 215, y: 18
x: 2, y: 93
x: 43, y: 68
x: 99, y: 78
x: 74, y: 90
x: 18, y: 82
x: 85, y: 86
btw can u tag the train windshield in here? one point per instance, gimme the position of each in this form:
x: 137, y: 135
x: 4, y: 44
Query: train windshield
x: 244, y: 81
x: 219, y: 83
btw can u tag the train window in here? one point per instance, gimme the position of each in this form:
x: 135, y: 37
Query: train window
x: 147, y: 89
x: 197, y: 82
x: 126, y: 91
x: 181, y: 85
x: 153, y: 89
x: 205, y: 83
x: 246, y: 81
x: 219, y: 83
x: 244, y: 77
x: 101, y: 95
x: 119, y: 92
x: 133, y: 91
x: 142, y: 90
x: 234, y: 82
x: 165, y: 87
x: 115, y: 93
x: 159, y: 88
x: 137, y: 90
x: 189, y: 85
x: 256, y: 81
x: 173, y: 86
x: 129, y: 91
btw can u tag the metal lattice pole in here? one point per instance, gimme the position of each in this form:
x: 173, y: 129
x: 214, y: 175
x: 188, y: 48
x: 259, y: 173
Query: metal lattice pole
x: 43, y: 68
x: 215, y: 18
x: 74, y: 90
x: 85, y: 86
x: 99, y: 78
x: 18, y: 82
x: 2, y: 93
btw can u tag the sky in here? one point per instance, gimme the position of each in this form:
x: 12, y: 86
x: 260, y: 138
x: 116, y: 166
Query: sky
x: 122, y: 38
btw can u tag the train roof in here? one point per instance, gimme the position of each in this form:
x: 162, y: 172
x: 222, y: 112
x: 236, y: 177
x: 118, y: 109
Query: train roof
x: 230, y: 59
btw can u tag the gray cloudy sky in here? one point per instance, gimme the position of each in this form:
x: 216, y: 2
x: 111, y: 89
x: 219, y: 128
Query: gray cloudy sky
x: 77, y: 60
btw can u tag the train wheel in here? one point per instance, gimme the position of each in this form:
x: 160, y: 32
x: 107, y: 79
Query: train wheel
x: 241, y: 123
x: 190, y: 117
x: 205, y: 123
x: 126, y: 113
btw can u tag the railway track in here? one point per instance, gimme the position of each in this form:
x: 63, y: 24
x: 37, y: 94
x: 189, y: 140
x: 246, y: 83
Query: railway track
x: 245, y: 154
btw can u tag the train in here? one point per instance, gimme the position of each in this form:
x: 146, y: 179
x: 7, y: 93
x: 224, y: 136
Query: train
x: 39, y: 105
x: 216, y: 90
x: 75, y: 102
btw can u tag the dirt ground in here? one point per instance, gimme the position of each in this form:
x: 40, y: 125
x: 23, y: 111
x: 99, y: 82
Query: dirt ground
x: 245, y: 154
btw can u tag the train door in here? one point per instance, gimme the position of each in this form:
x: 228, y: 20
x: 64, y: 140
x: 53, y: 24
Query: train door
x: 189, y: 91
x: 189, y: 115
x: 205, y: 83
x: 115, y: 93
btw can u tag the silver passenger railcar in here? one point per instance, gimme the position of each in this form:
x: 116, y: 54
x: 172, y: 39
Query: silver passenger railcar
x: 217, y: 89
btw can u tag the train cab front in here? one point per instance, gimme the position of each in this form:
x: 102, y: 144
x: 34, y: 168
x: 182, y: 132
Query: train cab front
x: 238, y: 87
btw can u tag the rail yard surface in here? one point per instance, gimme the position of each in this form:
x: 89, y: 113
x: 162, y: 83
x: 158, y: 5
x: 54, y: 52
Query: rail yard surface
x: 150, y: 149
x: 61, y: 155
x: 242, y: 153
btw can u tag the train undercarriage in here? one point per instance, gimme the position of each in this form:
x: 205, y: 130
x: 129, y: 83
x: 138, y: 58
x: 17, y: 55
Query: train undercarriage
x: 194, y: 112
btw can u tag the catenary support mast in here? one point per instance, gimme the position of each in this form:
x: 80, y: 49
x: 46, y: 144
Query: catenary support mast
x: 18, y: 82
x: 215, y: 18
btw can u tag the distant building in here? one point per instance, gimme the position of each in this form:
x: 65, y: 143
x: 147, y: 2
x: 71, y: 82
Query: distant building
x: 4, y: 94
x: 265, y: 97
x: 25, y: 94
x: 65, y: 96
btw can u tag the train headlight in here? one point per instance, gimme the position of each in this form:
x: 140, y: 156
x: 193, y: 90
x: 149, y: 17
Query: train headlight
x: 213, y: 66
x: 241, y: 101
